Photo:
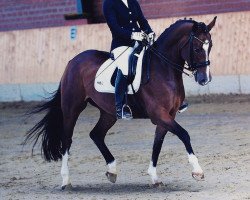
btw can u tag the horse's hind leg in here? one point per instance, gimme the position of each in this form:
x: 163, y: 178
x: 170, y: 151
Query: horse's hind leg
x: 71, y: 111
x: 69, y: 119
x: 98, y: 134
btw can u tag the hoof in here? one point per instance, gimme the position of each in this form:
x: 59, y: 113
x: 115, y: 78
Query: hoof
x: 158, y: 185
x: 111, y: 177
x: 198, y: 176
x: 67, y: 187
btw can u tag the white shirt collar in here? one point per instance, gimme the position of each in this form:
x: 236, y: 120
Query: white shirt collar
x: 125, y: 2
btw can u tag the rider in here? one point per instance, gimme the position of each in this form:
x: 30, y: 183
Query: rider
x: 127, y: 25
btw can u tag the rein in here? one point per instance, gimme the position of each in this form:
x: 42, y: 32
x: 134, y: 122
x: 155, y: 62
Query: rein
x: 166, y: 60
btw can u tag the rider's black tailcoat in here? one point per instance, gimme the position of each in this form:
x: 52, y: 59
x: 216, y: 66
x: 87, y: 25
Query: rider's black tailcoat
x: 123, y: 20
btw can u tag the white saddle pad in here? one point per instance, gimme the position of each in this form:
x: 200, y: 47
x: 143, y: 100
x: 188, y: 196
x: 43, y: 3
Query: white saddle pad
x: 105, y: 72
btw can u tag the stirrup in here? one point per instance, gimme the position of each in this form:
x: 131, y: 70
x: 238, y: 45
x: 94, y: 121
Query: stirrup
x: 126, y: 115
x: 183, y: 107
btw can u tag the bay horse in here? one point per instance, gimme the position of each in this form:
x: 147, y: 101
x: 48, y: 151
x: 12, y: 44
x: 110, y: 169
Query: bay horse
x: 185, y: 41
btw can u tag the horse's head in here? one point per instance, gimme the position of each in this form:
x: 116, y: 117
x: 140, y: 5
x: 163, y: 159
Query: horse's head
x: 196, y: 51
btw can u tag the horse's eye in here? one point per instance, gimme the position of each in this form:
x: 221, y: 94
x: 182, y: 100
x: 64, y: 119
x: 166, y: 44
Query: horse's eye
x: 198, y: 50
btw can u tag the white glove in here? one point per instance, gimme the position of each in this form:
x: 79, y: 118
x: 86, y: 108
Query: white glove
x: 138, y: 36
x: 151, y: 38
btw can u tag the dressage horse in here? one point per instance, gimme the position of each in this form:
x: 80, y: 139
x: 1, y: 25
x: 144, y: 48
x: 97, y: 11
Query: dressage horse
x: 186, y: 42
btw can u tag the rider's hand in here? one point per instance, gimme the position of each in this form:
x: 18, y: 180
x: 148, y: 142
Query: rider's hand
x: 151, y: 38
x: 138, y: 36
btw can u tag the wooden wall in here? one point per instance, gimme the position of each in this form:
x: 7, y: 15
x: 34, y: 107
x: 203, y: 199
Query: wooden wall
x: 40, y: 55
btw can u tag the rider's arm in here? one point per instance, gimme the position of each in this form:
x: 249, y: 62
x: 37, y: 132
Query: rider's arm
x: 112, y: 21
x: 142, y: 20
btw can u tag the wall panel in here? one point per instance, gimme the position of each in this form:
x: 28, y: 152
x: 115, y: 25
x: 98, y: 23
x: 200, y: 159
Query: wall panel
x: 40, y: 55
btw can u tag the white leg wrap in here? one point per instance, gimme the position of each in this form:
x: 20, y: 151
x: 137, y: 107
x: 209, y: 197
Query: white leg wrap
x: 152, y: 173
x: 193, y: 160
x: 112, y: 167
x: 65, y: 170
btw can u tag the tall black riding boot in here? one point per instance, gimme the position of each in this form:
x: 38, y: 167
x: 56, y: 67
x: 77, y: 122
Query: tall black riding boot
x: 120, y: 90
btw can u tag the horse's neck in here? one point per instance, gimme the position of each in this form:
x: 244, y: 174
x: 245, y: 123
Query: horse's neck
x: 165, y: 68
x: 168, y: 44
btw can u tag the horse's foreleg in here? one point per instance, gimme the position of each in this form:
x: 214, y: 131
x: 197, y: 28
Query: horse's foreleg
x: 98, y: 134
x: 183, y: 135
x: 158, y: 141
x: 165, y: 121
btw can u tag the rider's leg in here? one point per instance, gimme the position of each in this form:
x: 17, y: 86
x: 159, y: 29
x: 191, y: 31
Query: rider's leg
x: 120, y: 90
x: 121, y: 55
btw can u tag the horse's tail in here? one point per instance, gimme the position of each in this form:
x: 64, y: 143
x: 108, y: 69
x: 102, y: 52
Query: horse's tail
x: 49, y: 128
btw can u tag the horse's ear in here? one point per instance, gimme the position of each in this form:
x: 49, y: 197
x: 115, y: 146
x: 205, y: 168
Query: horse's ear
x: 212, y: 23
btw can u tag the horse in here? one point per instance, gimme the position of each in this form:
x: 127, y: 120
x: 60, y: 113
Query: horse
x: 185, y: 42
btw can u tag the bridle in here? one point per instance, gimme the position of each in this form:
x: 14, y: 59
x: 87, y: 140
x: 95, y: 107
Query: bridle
x: 192, y: 66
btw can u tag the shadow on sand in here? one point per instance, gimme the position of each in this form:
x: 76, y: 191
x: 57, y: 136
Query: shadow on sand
x: 130, y: 188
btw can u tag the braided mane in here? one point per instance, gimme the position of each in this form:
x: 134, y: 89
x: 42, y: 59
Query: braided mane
x: 198, y: 27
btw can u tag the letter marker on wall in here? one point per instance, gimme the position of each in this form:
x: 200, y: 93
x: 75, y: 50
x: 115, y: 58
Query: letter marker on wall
x: 73, y: 32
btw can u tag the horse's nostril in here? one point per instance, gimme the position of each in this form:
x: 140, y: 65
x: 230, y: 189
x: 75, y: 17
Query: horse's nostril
x: 203, y: 82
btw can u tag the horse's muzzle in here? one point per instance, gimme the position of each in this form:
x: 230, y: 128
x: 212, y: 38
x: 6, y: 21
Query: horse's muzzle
x: 202, y: 78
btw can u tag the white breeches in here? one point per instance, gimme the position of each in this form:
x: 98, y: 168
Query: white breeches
x: 121, y: 55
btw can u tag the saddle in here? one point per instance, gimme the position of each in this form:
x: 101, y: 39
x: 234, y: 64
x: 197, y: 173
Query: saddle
x: 106, y: 74
x: 133, y: 61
